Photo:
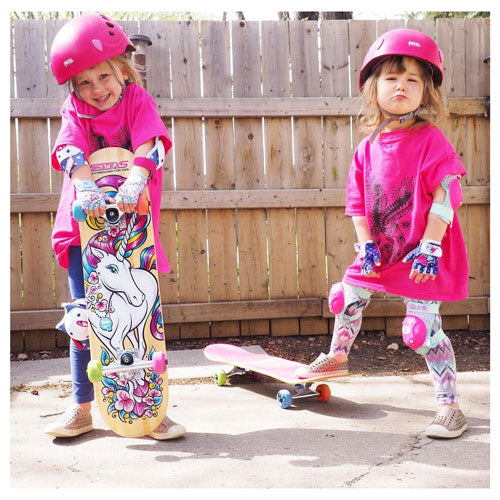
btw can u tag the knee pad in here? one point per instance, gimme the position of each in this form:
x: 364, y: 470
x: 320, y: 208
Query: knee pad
x: 347, y: 301
x: 422, y: 326
x: 74, y: 322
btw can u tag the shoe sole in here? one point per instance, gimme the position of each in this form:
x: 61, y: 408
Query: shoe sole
x: 442, y: 432
x: 314, y: 375
x: 163, y: 437
x: 69, y: 433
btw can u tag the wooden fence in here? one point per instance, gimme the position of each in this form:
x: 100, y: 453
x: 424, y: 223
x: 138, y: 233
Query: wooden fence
x: 262, y: 119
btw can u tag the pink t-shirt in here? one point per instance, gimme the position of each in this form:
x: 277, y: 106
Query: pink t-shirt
x: 128, y: 124
x: 391, y: 182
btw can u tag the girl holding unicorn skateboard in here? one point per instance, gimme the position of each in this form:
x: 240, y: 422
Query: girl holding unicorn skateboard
x: 107, y: 107
x: 402, y: 192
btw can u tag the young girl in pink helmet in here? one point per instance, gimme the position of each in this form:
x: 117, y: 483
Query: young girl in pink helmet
x: 107, y: 107
x: 402, y: 192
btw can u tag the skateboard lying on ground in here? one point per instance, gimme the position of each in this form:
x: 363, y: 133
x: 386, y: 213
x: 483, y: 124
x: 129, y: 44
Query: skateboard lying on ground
x: 271, y: 366
x: 128, y: 361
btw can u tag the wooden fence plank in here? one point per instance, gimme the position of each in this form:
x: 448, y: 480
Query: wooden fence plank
x: 247, y: 309
x: 188, y: 145
x: 280, y: 174
x: 158, y: 86
x: 219, y: 137
x: 242, y: 198
x: 249, y: 172
x: 191, y: 107
x: 308, y: 148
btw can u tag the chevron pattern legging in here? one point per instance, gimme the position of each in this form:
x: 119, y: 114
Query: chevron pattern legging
x: 440, y: 359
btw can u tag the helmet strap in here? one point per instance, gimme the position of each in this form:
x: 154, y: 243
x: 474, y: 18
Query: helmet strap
x: 80, y: 115
x: 393, y: 117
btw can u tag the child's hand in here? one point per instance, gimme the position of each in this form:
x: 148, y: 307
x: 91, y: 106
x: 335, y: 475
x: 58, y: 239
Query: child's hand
x: 129, y: 192
x: 91, y: 198
x: 370, y: 257
x: 425, y: 261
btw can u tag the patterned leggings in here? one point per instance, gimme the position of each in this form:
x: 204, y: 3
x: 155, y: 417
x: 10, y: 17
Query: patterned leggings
x: 440, y: 359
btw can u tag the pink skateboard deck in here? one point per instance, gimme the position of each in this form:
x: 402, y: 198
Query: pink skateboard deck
x: 278, y: 368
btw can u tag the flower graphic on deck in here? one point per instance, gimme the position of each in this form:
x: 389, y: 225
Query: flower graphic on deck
x: 124, y: 401
x: 114, y: 231
x: 101, y: 305
x: 93, y: 278
x: 133, y: 398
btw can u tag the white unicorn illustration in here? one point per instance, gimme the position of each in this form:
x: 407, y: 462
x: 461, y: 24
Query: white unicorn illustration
x: 120, y: 298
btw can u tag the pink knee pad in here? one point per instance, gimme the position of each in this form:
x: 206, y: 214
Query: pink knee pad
x: 336, y: 298
x: 414, y: 332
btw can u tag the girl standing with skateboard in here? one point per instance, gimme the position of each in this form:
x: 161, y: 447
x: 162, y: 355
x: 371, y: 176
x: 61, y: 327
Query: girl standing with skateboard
x: 107, y: 108
x: 402, y: 192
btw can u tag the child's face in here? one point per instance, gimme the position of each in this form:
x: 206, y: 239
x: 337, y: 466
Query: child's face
x: 400, y: 92
x: 99, y: 87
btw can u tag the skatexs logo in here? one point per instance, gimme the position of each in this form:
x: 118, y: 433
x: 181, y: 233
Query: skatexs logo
x: 414, y: 44
x: 110, y: 165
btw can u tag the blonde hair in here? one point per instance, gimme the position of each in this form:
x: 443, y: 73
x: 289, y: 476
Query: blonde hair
x: 118, y: 64
x: 434, y: 110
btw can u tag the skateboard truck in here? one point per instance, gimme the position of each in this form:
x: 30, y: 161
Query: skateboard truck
x: 284, y: 397
x: 128, y: 363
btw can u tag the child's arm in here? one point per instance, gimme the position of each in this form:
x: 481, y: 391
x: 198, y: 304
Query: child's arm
x: 436, y: 227
x: 367, y: 248
x: 82, y: 179
x: 136, y: 182
x: 425, y: 256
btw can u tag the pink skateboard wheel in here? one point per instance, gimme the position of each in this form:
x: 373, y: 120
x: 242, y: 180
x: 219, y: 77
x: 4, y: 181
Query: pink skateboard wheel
x: 159, y: 362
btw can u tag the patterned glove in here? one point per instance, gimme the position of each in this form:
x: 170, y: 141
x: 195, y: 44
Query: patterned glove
x: 130, y: 190
x: 369, y: 254
x: 89, y: 195
x: 425, y: 258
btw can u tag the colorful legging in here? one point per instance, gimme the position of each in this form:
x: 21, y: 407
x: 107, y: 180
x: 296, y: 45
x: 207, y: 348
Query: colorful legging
x: 440, y: 359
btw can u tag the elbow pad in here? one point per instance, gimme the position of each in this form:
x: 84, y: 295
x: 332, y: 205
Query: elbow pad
x: 453, y: 199
x: 70, y: 158
x: 157, y: 153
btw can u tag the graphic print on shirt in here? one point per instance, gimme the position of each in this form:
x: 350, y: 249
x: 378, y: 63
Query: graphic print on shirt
x: 119, y: 140
x: 388, y: 220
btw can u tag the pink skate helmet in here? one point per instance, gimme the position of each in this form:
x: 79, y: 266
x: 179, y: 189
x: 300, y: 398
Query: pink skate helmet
x: 403, y: 42
x: 84, y: 42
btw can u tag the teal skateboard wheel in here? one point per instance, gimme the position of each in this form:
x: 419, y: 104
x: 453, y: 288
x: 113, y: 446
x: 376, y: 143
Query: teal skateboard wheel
x: 284, y: 398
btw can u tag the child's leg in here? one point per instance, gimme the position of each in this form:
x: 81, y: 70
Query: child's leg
x: 77, y: 418
x: 83, y: 389
x: 348, y: 303
x: 348, y: 316
x: 441, y: 363
x: 422, y: 332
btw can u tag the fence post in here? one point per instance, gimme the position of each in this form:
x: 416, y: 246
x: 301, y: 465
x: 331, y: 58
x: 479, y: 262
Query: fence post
x: 141, y: 42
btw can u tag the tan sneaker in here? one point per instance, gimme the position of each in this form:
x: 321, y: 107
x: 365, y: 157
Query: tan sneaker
x: 168, y: 429
x: 73, y: 422
x: 448, y: 423
x: 323, y: 365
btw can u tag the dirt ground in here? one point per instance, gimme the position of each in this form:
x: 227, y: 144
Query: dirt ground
x: 369, y: 355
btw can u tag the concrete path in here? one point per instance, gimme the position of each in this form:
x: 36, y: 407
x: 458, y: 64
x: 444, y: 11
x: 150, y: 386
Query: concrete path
x: 369, y: 435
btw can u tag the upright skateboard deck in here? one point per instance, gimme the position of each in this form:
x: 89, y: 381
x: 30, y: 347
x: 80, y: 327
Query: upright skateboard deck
x: 271, y: 366
x: 128, y: 359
